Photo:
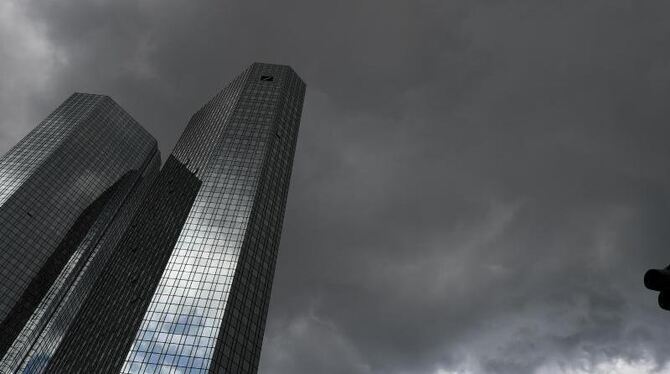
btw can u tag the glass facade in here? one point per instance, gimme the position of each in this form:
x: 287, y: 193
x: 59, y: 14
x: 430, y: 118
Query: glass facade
x: 188, y: 286
x: 67, y: 191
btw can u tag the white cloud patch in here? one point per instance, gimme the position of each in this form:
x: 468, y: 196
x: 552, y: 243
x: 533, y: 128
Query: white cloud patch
x: 584, y: 365
x: 320, y: 342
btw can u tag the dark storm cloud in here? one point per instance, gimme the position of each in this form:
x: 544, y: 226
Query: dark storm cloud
x: 478, y: 186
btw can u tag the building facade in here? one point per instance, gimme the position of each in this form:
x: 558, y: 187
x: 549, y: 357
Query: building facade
x: 67, y: 192
x: 188, y: 286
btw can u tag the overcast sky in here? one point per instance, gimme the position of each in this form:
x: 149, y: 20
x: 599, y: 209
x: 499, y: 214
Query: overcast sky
x: 478, y: 187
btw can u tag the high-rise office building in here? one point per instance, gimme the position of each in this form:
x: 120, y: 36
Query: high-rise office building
x: 67, y: 193
x: 188, y: 286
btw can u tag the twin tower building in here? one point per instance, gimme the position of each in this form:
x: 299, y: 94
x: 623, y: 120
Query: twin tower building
x: 111, y: 264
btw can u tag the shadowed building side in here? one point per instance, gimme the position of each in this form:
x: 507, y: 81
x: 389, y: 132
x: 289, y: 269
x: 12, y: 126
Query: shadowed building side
x: 111, y: 313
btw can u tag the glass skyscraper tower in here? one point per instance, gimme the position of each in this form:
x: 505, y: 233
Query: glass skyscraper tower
x: 187, y: 288
x: 67, y: 193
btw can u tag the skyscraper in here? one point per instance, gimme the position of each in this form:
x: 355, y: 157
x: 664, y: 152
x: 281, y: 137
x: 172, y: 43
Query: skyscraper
x: 67, y: 191
x: 188, y: 286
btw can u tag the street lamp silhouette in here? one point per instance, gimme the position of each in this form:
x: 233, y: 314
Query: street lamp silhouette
x: 659, y: 280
